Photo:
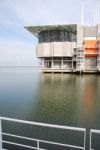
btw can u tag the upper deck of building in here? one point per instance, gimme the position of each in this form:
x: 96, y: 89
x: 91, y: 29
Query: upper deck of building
x: 35, y: 30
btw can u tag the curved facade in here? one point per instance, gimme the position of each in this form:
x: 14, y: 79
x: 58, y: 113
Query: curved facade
x: 68, y: 48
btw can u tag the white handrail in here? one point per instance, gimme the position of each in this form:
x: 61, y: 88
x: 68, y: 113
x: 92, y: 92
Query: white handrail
x: 39, y: 140
x: 22, y: 145
x: 42, y: 141
x: 42, y: 124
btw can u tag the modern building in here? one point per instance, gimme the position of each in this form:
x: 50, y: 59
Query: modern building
x: 68, y: 48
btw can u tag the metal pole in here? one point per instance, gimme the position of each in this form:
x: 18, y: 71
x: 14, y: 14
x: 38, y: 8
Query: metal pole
x: 90, y: 139
x: 0, y: 134
x: 84, y: 139
x: 38, y: 144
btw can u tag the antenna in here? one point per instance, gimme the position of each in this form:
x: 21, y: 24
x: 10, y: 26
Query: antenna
x: 94, y: 17
x: 82, y: 14
x: 98, y: 13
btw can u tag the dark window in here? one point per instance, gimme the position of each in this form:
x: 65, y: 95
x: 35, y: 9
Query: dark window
x: 56, y: 36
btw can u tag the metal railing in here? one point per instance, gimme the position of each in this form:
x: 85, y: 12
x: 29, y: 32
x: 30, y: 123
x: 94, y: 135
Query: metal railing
x: 92, y: 131
x: 38, y: 141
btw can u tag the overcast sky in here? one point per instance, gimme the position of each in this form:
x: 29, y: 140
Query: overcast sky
x: 17, y: 46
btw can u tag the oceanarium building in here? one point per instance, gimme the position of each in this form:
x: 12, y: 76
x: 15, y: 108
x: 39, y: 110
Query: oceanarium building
x: 68, y: 48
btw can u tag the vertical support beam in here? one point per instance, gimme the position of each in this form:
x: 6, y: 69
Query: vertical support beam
x: 62, y: 63
x: 72, y: 64
x: 80, y: 35
x: 0, y: 134
x: 52, y: 63
x: 90, y: 139
x: 38, y: 144
x: 42, y: 63
x: 85, y: 140
x: 84, y: 58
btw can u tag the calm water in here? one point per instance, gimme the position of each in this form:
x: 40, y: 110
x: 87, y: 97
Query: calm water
x: 63, y: 99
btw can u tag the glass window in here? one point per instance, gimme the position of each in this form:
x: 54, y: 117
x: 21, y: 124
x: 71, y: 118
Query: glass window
x: 56, y: 36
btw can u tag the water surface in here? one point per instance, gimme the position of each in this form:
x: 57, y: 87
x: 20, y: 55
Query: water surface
x: 63, y: 99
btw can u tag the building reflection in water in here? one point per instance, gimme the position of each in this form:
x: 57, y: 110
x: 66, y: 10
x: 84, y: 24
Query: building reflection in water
x: 67, y: 99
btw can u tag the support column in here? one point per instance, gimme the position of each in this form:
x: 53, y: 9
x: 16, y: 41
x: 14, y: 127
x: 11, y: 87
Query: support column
x: 62, y: 63
x: 72, y: 64
x: 52, y: 63
x: 42, y: 63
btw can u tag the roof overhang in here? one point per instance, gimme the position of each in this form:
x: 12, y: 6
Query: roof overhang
x: 37, y: 29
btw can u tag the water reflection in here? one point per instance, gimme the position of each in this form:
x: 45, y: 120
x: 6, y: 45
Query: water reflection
x: 53, y: 98
x: 56, y: 101
x: 67, y: 99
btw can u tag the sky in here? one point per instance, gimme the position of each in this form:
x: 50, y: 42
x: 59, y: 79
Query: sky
x: 17, y: 45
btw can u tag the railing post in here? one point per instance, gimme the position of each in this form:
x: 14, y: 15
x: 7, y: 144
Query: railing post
x: 0, y: 134
x: 84, y: 139
x: 90, y: 139
x: 38, y: 144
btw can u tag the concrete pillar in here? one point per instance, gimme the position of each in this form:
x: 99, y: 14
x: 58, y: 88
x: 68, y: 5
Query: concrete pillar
x: 42, y: 63
x: 72, y: 63
x: 62, y: 63
x: 80, y: 35
x: 52, y: 63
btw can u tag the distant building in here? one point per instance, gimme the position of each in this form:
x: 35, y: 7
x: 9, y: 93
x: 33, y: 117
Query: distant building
x: 68, y: 48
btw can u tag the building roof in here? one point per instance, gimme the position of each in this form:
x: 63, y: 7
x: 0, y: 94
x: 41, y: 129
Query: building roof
x: 37, y: 29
